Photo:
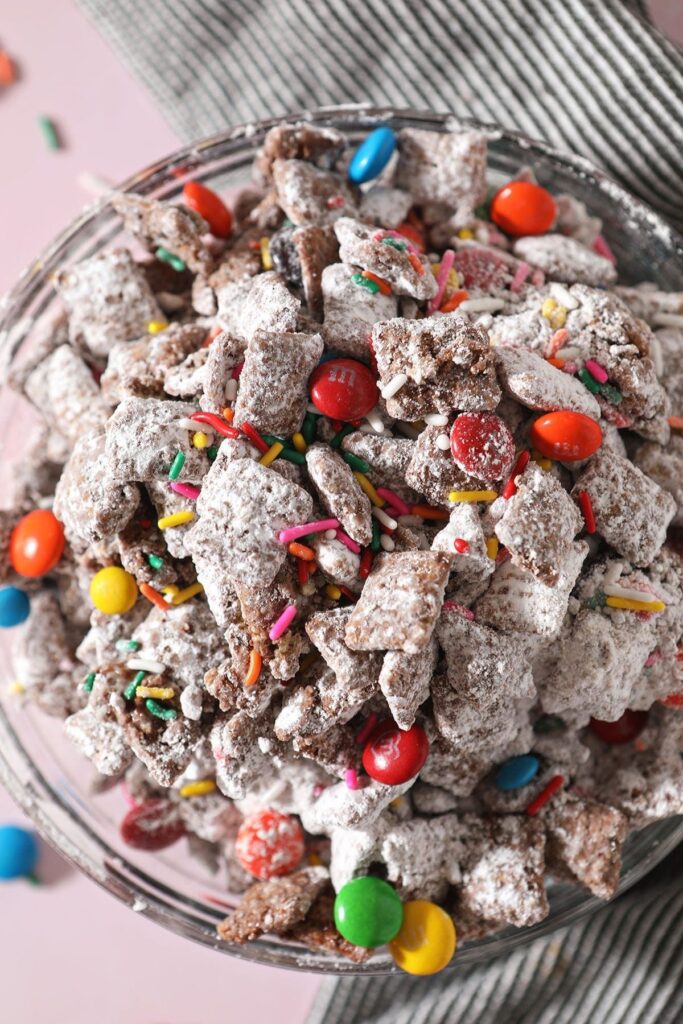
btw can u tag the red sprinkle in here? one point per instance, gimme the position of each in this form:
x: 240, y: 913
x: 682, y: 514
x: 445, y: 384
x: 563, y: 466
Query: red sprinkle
x: 349, y: 594
x: 217, y: 424
x: 587, y: 511
x: 674, y: 700
x: 427, y: 512
x: 334, y: 202
x: 254, y: 437
x: 557, y: 782
x: 461, y: 545
x: 453, y: 606
x: 302, y: 571
x: 518, y: 468
x: 144, y: 524
x: 366, y: 560
x: 366, y: 729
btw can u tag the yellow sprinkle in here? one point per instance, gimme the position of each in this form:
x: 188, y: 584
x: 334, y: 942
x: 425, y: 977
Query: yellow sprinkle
x: 16, y: 688
x: 266, y: 261
x: 177, y: 519
x: 369, y: 489
x: 200, y: 788
x: 397, y: 803
x: 472, y: 495
x: 200, y: 440
x: 542, y: 462
x: 171, y: 589
x: 155, y: 692
x: 299, y: 442
x: 314, y: 859
x: 492, y: 547
x: 333, y: 592
x: 184, y: 595
x: 452, y: 281
x: 635, y: 606
x: 554, y: 313
x: 156, y: 326
x: 271, y: 454
x: 465, y: 233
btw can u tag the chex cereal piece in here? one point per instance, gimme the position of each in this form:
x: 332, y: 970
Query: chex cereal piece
x: 532, y: 380
x: 183, y: 641
x: 352, y: 668
x: 539, y: 524
x: 404, y: 681
x: 351, y: 311
x: 186, y: 380
x: 388, y: 456
x: 631, y: 511
x: 650, y: 304
x: 260, y: 607
x: 429, y: 800
x: 41, y: 653
x: 524, y: 330
x: 473, y: 564
x: 273, y: 386
x: 664, y: 465
x: 670, y: 345
x: 447, y: 361
x: 510, y: 849
x: 459, y: 719
x: 234, y: 266
x: 516, y: 601
x: 108, y: 300
x: 448, y: 168
x: 482, y: 665
x: 64, y: 385
x: 339, y: 492
x: 583, y: 843
x: 564, y: 259
x: 400, y: 602
x: 140, y: 367
x: 337, y: 562
x: 143, y: 438
x: 87, y: 501
x: 352, y: 851
x: 321, y: 147
x: 422, y: 857
x: 96, y: 729
x: 224, y: 354
x: 318, y: 932
x: 455, y: 770
x: 274, y: 906
x: 359, y: 247
x: 268, y: 306
x: 317, y: 249
x: 385, y: 206
x: 164, y: 747
x: 226, y: 683
x: 433, y: 472
x: 240, y: 541
x: 304, y: 193
x: 240, y: 760
x: 341, y: 807
x: 160, y: 225
x: 210, y: 816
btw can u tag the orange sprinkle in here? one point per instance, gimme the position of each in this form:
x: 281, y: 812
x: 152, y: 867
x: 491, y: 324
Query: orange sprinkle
x: 415, y: 264
x: 301, y: 551
x: 383, y: 285
x: 154, y: 596
x: 554, y: 361
x: 454, y: 301
x: 255, y: 663
x: 213, y: 333
x: 676, y: 422
x: 228, y: 414
x: 427, y: 512
x: 7, y: 72
x: 412, y: 233
x: 254, y: 245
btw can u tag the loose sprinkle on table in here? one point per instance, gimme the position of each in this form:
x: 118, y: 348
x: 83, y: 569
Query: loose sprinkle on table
x: 50, y: 133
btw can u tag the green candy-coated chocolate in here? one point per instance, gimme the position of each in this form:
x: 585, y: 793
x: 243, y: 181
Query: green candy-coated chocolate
x: 368, y: 912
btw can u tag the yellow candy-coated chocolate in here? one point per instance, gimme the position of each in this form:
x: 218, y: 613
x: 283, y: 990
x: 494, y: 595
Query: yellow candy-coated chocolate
x: 113, y: 591
x: 426, y: 941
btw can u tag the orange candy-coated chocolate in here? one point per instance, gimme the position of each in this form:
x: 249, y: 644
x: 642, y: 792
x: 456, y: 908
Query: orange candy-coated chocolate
x: 37, y: 543
x: 565, y: 436
x: 523, y: 208
x: 209, y: 206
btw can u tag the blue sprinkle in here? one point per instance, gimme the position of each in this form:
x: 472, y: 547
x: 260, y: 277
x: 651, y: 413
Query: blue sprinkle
x: 18, y: 852
x: 14, y: 607
x: 517, y: 772
x: 372, y: 155
x: 326, y: 358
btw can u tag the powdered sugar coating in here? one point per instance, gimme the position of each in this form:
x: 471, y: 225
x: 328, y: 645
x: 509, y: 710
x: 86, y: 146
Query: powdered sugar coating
x: 273, y: 388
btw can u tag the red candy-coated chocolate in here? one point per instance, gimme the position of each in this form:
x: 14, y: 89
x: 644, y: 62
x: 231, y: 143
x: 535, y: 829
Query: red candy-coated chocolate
x: 269, y: 844
x: 152, y: 825
x: 393, y: 756
x: 523, y: 208
x: 209, y: 206
x: 482, y: 445
x: 565, y: 436
x: 343, y: 389
x: 37, y: 543
x: 481, y: 268
x: 625, y: 729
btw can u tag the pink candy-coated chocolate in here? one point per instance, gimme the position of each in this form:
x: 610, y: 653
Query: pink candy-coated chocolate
x: 187, y: 490
x: 350, y: 544
x: 444, y: 271
x: 394, y: 501
x: 596, y: 370
x: 283, y: 623
x: 294, y: 532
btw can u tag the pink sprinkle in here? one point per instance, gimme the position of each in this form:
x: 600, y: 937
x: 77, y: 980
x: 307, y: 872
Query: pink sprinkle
x: 444, y: 271
x: 394, y: 500
x: 318, y: 789
x: 570, y: 367
x: 455, y: 607
x: 538, y: 278
x: 351, y: 778
x: 602, y: 248
x: 237, y: 371
x: 521, y: 274
x: 368, y: 726
x: 294, y: 532
x: 334, y: 202
x: 127, y: 795
x: 557, y: 342
x: 391, y: 511
x: 351, y: 544
x: 283, y: 623
x: 187, y: 490
x: 597, y: 371
x: 653, y: 658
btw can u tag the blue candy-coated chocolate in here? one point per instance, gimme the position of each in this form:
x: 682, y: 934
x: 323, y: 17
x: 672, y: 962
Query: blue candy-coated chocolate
x: 372, y: 155
x: 14, y: 607
x: 517, y: 772
x: 18, y: 852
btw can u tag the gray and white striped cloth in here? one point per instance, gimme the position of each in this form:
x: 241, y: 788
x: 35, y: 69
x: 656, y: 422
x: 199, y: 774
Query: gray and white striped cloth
x: 592, y: 77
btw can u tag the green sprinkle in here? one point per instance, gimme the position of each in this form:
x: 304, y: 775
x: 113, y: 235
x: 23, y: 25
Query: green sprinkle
x: 89, y: 680
x: 129, y: 691
x: 50, y: 134
x: 355, y: 463
x: 365, y: 282
x: 597, y: 600
x: 272, y: 439
x: 611, y: 393
x: 176, y: 466
x: 128, y: 645
x: 212, y: 452
x: 549, y: 723
x: 309, y: 427
x: 590, y: 382
x: 293, y: 456
x: 341, y: 434
x: 168, y: 257
x: 376, y: 534
x: 287, y: 223
x: 159, y: 711
x: 395, y: 244
x: 155, y: 561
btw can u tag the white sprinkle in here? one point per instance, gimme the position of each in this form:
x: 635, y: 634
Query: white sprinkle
x: 613, y: 572
x: 375, y: 421
x: 563, y: 296
x: 394, y: 385
x: 435, y: 419
x: 231, y: 390
x: 312, y: 408
x: 330, y: 534
x: 570, y: 352
x: 481, y: 233
x: 667, y: 320
x: 146, y: 665
x: 443, y: 442
x: 365, y: 428
x: 386, y: 543
x: 93, y: 184
x: 169, y: 302
x: 191, y: 702
x: 485, y: 321
x: 628, y: 594
x: 308, y: 588
x: 481, y: 305
x: 194, y: 425
x: 410, y: 520
x: 656, y: 352
x: 381, y: 516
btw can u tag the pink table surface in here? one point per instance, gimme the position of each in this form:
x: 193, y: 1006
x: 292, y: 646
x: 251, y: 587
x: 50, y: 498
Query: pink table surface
x: 69, y: 952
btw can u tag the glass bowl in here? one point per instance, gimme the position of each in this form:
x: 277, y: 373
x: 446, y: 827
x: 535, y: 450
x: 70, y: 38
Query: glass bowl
x: 43, y: 773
